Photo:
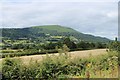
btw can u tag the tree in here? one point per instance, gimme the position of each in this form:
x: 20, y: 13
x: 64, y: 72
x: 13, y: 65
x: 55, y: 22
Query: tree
x: 49, y: 46
x: 82, y: 45
x: 70, y: 44
x: 115, y: 46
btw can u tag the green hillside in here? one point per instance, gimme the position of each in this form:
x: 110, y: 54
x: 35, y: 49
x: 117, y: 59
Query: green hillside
x: 55, y: 28
x: 36, y: 32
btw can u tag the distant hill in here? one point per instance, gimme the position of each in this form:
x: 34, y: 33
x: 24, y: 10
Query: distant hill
x: 52, y: 30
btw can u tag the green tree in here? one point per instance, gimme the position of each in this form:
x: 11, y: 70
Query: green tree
x: 69, y: 43
x: 115, y: 46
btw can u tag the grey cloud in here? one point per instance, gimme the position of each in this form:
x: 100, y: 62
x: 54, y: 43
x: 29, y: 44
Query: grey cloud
x: 87, y: 17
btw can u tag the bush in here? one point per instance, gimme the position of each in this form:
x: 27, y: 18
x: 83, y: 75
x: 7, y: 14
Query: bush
x: 114, y: 46
x: 57, y: 66
x: 11, y: 69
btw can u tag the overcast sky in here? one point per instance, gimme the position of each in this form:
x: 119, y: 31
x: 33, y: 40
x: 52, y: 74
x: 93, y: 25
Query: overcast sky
x: 96, y: 17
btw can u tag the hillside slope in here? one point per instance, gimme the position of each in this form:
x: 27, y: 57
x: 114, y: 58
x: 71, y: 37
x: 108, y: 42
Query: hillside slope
x: 53, y: 30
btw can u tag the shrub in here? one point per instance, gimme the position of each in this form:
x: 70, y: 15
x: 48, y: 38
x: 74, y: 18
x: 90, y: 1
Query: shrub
x: 56, y: 66
x: 11, y: 68
x: 114, y: 46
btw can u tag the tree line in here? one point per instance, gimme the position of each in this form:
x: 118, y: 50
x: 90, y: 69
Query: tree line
x: 81, y: 45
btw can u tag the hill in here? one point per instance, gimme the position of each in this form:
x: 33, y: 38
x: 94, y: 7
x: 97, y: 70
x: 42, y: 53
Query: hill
x: 55, y: 28
x: 48, y: 30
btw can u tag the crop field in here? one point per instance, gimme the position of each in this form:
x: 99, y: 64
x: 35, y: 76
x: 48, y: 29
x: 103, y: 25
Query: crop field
x: 74, y: 54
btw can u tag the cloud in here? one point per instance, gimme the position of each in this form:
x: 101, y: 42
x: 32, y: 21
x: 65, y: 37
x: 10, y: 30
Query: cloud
x: 112, y: 14
x: 60, y: 0
x: 97, y: 18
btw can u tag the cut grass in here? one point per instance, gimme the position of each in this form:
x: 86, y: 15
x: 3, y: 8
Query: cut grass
x: 74, y: 55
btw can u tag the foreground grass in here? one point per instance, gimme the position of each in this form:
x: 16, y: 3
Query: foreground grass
x: 0, y: 65
x: 63, y: 66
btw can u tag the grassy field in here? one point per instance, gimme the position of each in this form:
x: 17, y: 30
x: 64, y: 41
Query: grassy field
x: 74, y: 54
x: 78, y: 64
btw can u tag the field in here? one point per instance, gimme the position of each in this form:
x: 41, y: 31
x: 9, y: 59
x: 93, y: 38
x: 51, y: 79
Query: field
x: 74, y: 54
x: 96, y: 63
x: 66, y: 57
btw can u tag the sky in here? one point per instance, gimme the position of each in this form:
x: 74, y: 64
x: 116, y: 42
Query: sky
x: 96, y: 17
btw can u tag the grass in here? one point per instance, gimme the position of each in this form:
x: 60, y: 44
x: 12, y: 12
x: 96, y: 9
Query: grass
x: 56, y: 28
x: 63, y: 66
x: 0, y: 65
x: 74, y: 55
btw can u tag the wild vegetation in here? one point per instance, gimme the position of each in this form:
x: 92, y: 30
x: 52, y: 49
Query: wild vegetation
x: 62, y: 66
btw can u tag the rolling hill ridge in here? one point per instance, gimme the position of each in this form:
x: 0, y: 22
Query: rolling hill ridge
x: 51, y: 30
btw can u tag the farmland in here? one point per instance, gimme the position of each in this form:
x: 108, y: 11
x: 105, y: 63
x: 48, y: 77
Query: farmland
x: 46, y: 53
x: 96, y: 63
x: 74, y: 54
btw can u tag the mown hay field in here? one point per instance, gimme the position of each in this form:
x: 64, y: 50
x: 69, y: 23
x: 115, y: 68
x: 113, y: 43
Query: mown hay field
x: 74, y: 54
